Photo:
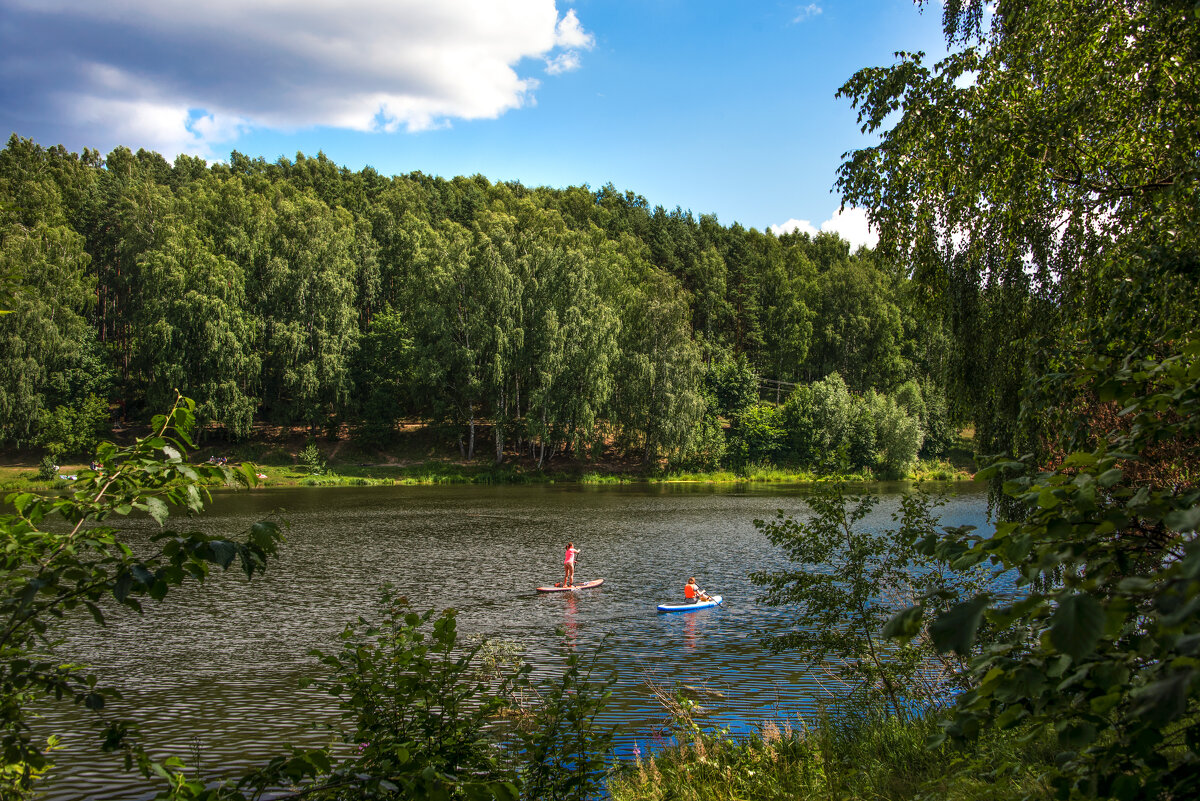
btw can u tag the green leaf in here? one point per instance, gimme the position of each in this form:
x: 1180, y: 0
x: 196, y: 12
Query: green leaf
x: 223, y: 552
x: 1077, y: 734
x: 1183, y: 520
x: 1010, y: 716
x: 1162, y: 701
x: 1047, y: 499
x: 264, y: 534
x: 123, y: 585
x: 955, y: 629
x: 1080, y: 459
x: 905, y: 625
x: 157, y: 509
x: 1076, y: 626
x: 1102, y: 704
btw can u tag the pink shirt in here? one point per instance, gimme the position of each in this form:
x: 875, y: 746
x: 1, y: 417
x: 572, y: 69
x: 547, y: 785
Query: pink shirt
x: 569, y: 558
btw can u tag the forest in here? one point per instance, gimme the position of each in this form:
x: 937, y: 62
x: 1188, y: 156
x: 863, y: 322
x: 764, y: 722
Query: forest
x: 299, y: 293
x: 1037, y: 196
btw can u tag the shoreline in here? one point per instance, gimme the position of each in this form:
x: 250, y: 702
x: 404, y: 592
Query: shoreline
x: 24, y: 477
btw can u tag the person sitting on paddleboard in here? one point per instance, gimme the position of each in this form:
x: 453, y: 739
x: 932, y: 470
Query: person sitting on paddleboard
x: 569, y: 565
x: 692, y: 593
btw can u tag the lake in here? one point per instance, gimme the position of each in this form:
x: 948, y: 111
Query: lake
x: 213, y: 673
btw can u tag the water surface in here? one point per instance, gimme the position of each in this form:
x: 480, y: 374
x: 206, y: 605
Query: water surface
x: 213, y: 672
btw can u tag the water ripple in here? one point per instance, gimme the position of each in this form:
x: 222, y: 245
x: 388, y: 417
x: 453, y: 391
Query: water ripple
x: 214, y: 671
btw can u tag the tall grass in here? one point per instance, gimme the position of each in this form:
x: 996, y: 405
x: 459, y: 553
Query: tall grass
x: 608, y: 478
x: 873, y: 757
x: 774, y: 765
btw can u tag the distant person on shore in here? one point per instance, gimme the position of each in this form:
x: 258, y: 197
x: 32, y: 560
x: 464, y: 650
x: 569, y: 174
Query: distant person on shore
x: 692, y: 593
x: 569, y: 565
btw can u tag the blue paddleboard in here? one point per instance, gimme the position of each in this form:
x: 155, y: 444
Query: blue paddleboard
x: 716, y: 599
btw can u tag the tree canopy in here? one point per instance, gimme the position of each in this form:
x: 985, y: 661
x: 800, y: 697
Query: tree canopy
x: 301, y: 293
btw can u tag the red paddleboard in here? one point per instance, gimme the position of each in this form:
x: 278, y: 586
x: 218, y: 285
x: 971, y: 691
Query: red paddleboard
x: 589, y: 585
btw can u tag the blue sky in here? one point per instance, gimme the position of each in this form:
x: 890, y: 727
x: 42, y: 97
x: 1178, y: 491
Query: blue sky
x: 718, y: 107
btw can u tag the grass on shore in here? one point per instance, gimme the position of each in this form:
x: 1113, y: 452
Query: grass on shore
x: 24, y: 478
x: 413, y: 461
x: 876, y: 758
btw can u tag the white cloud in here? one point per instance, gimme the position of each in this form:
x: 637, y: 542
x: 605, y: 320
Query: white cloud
x: 154, y: 126
x: 569, y: 34
x: 792, y: 225
x: 850, y: 224
x: 807, y: 12
x: 563, y: 62
x: 201, y: 73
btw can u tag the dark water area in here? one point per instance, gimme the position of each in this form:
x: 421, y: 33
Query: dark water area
x: 213, y: 672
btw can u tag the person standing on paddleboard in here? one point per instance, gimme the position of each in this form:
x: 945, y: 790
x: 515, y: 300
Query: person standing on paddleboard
x: 569, y: 565
x: 692, y: 593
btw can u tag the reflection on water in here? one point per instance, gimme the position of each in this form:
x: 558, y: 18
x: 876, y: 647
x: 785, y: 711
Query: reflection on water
x: 689, y: 631
x: 214, y: 671
x: 570, y: 620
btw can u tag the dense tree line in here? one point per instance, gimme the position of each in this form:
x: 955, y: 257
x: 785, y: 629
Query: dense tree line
x: 301, y: 293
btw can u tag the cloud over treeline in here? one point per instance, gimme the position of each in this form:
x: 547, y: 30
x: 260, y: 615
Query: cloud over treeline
x: 850, y: 224
x: 181, y: 76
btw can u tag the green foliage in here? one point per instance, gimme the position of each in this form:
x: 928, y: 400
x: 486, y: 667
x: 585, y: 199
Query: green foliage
x: 825, y: 426
x: 859, y: 329
x: 844, y: 756
x: 45, y: 336
x: 73, y: 431
x: 197, y: 334
x: 310, y: 456
x: 426, y: 719
x: 1034, y: 182
x: 562, y: 747
x: 658, y: 396
x: 61, y: 558
x: 715, y: 767
x: 304, y: 284
x: 755, y: 435
x: 898, y: 435
x: 48, y: 467
x: 1048, y: 208
x: 382, y: 369
x: 300, y: 293
x: 1099, y: 646
x: 848, y: 582
x: 875, y: 756
x: 829, y: 412
x: 936, y: 424
x: 732, y: 384
x: 418, y: 709
x: 16, y: 778
x: 707, y: 447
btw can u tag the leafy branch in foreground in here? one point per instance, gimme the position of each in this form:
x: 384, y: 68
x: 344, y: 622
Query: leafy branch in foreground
x: 430, y: 719
x: 1102, y: 648
x: 847, y: 584
x: 59, y: 557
